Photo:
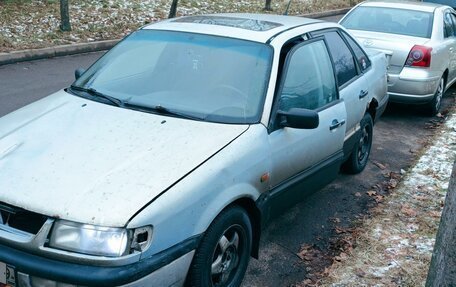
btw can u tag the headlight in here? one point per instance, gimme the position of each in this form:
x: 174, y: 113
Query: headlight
x: 89, y: 239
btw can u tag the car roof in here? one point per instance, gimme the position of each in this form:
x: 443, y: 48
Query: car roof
x: 254, y: 27
x: 411, y: 5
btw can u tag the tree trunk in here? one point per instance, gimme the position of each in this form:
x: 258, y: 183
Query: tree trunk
x: 442, y: 271
x: 267, y: 5
x: 64, y: 16
x: 173, y: 10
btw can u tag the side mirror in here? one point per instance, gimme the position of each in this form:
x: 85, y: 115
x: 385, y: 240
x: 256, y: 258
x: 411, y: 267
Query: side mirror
x: 78, y: 73
x: 299, y: 118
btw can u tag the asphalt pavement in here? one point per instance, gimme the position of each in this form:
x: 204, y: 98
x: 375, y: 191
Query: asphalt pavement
x: 398, y: 137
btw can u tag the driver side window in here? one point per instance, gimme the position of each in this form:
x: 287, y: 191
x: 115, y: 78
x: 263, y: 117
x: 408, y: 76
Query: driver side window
x: 309, y: 78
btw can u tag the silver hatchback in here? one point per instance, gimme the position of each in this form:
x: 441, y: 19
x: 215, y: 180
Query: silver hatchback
x: 419, y: 39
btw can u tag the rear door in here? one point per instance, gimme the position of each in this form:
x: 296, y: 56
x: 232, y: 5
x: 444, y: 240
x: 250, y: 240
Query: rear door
x: 307, y: 82
x: 353, y: 88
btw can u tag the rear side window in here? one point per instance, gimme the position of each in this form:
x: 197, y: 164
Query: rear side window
x: 361, y: 57
x: 449, y: 27
x: 342, y: 57
x: 309, y: 78
x: 453, y: 17
x: 390, y: 20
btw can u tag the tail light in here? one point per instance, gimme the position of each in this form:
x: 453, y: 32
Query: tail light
x: 419, y: 56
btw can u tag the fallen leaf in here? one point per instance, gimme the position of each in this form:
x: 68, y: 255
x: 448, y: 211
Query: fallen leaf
x: 336, y: 220
x: 420, y: 197
x: 304, y: 252
x: 371, y: 192
x: 342, y: 257
x: 379, y: 165
x: 360, y: 273
x: 407, y: 210
x: 395, y: 175
x: 392, y: 184
x: 307, y: 282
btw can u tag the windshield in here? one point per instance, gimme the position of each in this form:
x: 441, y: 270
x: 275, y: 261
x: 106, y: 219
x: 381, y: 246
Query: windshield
x: 201, y: 76
x: 390, y: 20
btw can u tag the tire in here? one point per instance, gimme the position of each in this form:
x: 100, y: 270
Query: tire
x: 222, y: 257
x: 434, y: 106
x: 361, y: 150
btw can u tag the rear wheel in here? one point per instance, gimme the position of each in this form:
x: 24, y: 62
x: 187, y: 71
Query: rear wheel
x: 224, y: 252
x: 434, y: 106
x: 361, y: 151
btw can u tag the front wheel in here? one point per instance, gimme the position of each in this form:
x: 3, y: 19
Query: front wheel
x: 224, y: 252
x: 361, y: 150
x: 434, y: 106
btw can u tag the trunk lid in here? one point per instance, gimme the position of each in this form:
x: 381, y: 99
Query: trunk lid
x: 396, y: 47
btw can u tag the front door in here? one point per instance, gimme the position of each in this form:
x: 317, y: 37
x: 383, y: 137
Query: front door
x: 308, y: 82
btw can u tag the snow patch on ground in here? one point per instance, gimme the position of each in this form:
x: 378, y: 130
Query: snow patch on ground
x: 399, y: 253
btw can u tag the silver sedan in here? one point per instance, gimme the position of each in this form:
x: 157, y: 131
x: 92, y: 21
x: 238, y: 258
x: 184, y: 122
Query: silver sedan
x: 420, y: 41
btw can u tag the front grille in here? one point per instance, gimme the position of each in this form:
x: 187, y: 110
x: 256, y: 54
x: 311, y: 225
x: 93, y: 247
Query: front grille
x: 21, y: 219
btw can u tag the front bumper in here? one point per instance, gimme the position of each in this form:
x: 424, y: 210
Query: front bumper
x: 167, y: 268
x: 412, y: 86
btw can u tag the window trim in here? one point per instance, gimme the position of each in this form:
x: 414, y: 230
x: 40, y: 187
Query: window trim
x: 273, y: 119
x: 358, y: 70
x: 453, y: 25
x: 346, y: 34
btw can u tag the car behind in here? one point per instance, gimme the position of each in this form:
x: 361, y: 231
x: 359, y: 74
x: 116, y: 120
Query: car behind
x: 420, y: 41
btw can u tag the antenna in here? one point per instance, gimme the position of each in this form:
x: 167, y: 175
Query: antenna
x: 288, y: 7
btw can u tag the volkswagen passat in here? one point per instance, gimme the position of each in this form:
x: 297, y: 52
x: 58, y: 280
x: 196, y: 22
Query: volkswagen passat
x: 162, y: 161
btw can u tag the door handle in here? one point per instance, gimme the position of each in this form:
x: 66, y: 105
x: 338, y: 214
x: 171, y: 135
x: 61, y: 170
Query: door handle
x: 363, y: 93
x: 335, y: 124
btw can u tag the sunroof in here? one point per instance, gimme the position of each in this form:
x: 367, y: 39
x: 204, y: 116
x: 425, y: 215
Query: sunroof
x: 248, y: 24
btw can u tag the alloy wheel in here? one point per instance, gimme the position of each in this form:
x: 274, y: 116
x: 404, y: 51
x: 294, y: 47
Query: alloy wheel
x: 226, y: 256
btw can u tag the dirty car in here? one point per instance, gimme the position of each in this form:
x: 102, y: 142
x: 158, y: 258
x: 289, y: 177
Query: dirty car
x: 162, y: 162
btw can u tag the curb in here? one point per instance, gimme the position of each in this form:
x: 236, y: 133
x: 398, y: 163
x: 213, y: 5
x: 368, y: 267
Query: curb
x: 63, y: 50
x: 327, y: 13
x: 72, y: 49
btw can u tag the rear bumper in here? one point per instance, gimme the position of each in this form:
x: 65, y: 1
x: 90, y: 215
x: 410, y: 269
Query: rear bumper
x: 413, y: 86
x: 168, y: 268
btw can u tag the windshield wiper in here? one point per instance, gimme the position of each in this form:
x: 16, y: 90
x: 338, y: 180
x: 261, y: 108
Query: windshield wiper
x: 163, y: 111
x: 95, y: 93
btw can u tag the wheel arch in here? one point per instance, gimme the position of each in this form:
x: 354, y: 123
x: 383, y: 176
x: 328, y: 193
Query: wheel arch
x: 248, y: 204
x: 372, y: 109
x: 445, y: 78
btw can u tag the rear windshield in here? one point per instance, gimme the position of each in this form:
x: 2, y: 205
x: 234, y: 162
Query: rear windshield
x: 390, y: 20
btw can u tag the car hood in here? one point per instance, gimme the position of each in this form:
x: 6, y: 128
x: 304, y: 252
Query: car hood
x: 72, y: 158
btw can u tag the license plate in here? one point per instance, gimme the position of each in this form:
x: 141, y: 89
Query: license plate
x: 7, y: 275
